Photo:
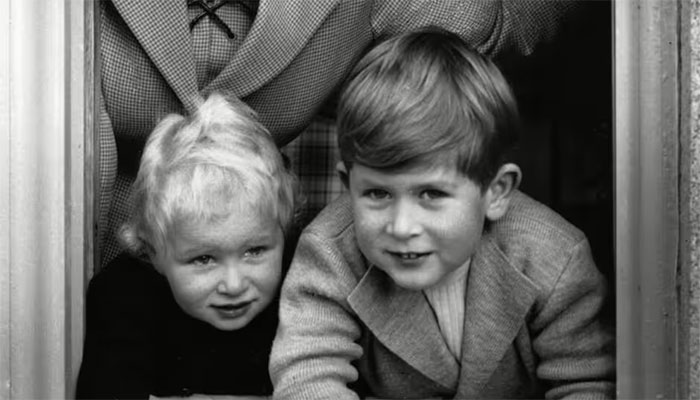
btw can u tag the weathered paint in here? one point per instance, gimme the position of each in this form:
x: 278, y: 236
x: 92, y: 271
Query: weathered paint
x: 647, y: 207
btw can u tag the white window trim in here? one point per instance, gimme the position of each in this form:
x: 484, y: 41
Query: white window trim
x: 650, y: 39
x: 46, y: 83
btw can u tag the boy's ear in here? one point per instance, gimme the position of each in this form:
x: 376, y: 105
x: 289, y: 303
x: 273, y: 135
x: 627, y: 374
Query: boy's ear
x: 343, y: 173
x: 499, y: 193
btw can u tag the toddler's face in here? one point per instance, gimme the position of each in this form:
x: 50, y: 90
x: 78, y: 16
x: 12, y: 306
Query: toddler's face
x: 416, y: 225
x: 224, y: 273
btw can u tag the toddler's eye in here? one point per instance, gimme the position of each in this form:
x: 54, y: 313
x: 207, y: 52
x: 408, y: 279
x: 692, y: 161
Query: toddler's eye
x: 376, y: 194
x: 256, y: 251
x: 202, y: 260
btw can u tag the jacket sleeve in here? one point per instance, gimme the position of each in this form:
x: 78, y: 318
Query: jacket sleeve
x: 491, y: 27
x: 316, y: 339
x: 118, y: 353
x: 106, y: 150
x: 571, y: 336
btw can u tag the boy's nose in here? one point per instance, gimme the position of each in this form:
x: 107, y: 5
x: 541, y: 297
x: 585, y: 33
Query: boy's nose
x: 231, y: 282
x: 403, y: 222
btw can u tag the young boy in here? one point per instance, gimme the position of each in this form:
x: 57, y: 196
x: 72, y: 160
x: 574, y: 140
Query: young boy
x: 434, y: 277
x: 192, y: 307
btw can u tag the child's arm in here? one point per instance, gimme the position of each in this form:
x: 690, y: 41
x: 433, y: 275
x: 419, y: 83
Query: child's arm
x: 316, y: 339
x: 574, y: 344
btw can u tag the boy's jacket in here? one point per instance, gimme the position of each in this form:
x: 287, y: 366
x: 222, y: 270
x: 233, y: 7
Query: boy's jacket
x: 532, y: 318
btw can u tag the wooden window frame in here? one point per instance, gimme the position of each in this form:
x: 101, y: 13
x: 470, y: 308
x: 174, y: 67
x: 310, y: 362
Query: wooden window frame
x: 653, y: 201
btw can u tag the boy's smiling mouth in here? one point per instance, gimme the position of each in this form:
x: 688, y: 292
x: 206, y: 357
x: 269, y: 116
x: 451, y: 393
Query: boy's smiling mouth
x: 408, y: 256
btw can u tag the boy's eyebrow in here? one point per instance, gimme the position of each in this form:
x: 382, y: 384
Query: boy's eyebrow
x: 370, y: 181
x: 445, y: 184
x: 432, y: 182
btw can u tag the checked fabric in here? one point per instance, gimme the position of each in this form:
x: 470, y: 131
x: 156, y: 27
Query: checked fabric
x: 286, y: 60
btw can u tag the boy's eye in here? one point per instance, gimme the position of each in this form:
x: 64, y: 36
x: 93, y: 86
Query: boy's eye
x: 202, y: 260
x: 376, y: 194
x: 433, y: 194
x: 255, y: 251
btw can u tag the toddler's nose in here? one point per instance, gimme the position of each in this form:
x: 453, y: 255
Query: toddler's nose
x: 232, y: 282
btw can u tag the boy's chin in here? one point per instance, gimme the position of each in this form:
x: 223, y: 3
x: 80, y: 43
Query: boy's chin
x: 415, y: 286
x: 413, y: 281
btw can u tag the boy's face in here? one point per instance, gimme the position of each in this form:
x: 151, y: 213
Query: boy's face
x: 417, y: 225
x: 225, y: 272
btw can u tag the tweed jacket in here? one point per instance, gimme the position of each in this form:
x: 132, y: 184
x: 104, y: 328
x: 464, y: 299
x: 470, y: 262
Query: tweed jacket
x: 532, y: 325
x: 288, y: 67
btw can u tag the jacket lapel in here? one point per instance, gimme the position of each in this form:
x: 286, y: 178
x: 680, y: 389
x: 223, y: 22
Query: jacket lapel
x: 162, y: 30
x: 280, y: 31
x: 404, y: 323
x: 498, y: 299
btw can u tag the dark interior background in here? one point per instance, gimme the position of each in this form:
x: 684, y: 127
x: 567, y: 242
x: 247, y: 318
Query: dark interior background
x: 565, y: 94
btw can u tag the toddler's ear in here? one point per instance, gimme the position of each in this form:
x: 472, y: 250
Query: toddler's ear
x: 151, y: 256
x: 500, y: 190
x: 343, y: 174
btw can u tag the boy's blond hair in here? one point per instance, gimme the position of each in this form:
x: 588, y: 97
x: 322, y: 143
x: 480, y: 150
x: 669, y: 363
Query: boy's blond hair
x: 202, y: 168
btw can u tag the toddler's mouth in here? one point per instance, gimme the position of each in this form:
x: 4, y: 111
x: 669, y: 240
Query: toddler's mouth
x: 232, y: 310
x: 231, y: 306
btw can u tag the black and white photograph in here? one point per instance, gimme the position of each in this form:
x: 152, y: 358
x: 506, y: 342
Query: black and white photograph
x: 350, y: 199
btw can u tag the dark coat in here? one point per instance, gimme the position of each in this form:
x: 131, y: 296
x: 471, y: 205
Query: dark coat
x: 139, y: 342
